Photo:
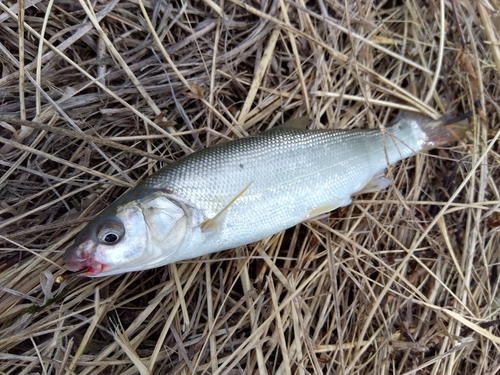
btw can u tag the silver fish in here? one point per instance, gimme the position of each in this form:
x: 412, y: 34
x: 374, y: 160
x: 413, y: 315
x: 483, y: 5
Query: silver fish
x: 247, y: 189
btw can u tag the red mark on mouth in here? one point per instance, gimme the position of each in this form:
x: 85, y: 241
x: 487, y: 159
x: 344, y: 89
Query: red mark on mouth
x: 84, y: 267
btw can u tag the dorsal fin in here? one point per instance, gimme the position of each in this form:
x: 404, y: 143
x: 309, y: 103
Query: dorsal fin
x: 295, y: 123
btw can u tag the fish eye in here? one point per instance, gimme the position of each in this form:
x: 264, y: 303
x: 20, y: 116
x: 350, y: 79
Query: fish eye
x: 110, y: 234
x: 111, y: 238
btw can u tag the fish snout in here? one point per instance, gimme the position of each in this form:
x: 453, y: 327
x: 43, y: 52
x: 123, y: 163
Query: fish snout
x: 80, y: 259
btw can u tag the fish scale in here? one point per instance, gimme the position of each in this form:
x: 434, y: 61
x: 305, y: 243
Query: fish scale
x: 245, y: 190
x: 302, y: 168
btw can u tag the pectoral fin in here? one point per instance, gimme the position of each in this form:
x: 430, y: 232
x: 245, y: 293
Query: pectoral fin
x: 214, y: 223
x: 328, y: 207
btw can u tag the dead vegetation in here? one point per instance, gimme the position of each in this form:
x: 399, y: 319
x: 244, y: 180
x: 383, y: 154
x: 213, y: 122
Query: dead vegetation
x: 401, y: 282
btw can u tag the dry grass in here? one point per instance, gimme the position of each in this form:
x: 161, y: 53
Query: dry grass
x: 401, y: 282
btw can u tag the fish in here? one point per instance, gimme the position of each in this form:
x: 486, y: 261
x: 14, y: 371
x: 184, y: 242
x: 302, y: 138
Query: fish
x: 244, y: 190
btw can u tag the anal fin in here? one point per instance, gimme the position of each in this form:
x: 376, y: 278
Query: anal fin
x: 327, y: 208
x: 377, y: 183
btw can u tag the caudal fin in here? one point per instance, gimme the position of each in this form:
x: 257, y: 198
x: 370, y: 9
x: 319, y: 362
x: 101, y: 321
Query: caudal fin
x: 445, y: 130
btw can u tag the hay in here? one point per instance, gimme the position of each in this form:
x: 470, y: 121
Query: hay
x: 401, y: 282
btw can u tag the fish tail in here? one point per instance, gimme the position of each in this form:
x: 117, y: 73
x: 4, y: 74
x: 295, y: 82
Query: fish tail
x: 445, y: 130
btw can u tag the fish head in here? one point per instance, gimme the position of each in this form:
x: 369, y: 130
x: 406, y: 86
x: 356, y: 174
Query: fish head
x: 110, y: 242
x: 133, y: 236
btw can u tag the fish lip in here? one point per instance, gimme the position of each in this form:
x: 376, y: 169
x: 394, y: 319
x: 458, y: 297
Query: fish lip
x: 84, y: 267
x: 76, y: 265
x: 79, y: 260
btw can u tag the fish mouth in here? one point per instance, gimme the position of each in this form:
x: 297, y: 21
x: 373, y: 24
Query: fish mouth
x: 84, y: 267
x: 80, y: 260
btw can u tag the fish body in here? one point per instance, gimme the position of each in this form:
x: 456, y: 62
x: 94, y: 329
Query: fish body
x: 244, y: 190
